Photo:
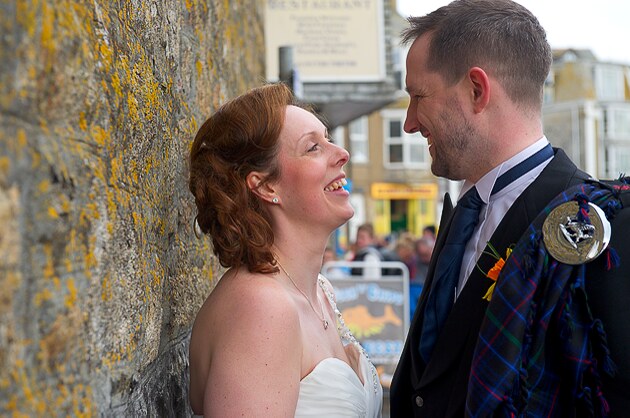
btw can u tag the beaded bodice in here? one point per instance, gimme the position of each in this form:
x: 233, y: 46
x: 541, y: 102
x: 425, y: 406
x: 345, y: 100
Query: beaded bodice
x: 333, y: 388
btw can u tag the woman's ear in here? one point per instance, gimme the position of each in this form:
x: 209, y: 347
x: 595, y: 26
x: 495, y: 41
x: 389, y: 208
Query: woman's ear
x: 262, y: 189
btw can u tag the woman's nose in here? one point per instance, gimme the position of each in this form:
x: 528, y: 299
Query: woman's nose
x: 342, y: 156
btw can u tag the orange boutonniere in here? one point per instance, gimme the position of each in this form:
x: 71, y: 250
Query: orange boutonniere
x: 494, y: 272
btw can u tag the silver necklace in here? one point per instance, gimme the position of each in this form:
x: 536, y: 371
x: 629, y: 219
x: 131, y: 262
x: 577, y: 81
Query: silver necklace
x: 323, y: 318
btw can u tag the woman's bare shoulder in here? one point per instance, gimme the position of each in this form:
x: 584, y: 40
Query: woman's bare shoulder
x: 242, y: 298
x: 263, y: 296
x: 255, y: 345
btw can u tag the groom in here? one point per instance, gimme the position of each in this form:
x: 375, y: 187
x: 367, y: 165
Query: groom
x: 475, y: 76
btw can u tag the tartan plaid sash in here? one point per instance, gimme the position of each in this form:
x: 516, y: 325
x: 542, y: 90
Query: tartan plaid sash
x: 540, y: 352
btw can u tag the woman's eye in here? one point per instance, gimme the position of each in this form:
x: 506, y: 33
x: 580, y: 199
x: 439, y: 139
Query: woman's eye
x: 313, y: 148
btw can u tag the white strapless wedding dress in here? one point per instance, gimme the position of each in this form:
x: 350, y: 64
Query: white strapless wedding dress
x: 333, y: 389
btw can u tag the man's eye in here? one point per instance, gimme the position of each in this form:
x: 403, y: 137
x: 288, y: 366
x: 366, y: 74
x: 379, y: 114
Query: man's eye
x: 313, y: 148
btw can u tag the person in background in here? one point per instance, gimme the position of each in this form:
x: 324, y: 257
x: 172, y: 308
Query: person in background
x: 268, y: 340
x: 475, y: 76
x: 366, y: 250
x: 429, y: 232
x: 423, y: 249
x: 405, y: 253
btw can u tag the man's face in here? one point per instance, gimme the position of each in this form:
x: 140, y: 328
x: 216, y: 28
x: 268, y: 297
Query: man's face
x: 437, y: 111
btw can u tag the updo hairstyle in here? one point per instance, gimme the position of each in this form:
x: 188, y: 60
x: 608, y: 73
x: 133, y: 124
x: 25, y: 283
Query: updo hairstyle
x: 241, y: 137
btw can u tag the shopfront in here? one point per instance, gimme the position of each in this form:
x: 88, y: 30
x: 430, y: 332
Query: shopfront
x: 403, y: 207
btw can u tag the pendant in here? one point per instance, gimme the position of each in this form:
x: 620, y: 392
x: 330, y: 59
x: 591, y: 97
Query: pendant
x: 325, y: 324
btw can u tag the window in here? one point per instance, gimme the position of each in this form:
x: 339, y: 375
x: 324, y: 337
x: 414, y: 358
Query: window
x: 399, y: 56
x: 402, y: 150
x: 619, y: 161
x: 618, y: 122
x: 609, y: 82
x: 338, y: 135
x: 568, y: 56
x: 359, y: 145
x: 623, y: 160
x: 395, y: 128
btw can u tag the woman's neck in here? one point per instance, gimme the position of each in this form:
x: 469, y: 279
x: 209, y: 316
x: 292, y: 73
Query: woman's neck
x: 302, y: 261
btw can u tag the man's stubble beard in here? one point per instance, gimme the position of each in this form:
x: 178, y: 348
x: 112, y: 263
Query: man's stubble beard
x: 460, y: 149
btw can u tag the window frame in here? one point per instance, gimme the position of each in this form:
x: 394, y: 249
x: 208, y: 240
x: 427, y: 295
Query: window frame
x: 405, y: 139
x: 359, y: 137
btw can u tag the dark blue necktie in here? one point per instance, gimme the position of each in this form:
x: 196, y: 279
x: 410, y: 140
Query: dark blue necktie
x: 449, y: 262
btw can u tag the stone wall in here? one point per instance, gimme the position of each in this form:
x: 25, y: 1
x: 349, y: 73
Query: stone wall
x: 100, y: 271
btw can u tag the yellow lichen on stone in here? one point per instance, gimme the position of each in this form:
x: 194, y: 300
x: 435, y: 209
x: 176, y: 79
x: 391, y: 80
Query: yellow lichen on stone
x: 49, y: 268
x: 82, y: 121
x: 26, y: 16
x: 100, y: 135
x: 52, y: 212
x: 42, y: 296
x: 71, y: 298
x: 106, y: 289
x: 43, y: 186
x: 199, y: 66
x: 48, y: 41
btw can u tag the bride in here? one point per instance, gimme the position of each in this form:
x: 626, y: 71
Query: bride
x: 269, y: 340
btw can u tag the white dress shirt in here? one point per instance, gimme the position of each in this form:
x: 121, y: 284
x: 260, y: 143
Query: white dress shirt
x: 496, y: 206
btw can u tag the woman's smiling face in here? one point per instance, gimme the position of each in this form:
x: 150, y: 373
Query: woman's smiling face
x: 311, y: 171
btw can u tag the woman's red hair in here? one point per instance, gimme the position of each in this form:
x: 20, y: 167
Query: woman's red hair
x: 241, y: 137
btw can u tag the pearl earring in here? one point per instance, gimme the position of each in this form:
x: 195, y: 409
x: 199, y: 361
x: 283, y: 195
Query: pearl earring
x: 275, y: 200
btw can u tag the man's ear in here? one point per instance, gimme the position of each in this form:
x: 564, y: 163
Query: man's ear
x: 262, y: 189
x: 480, y: 88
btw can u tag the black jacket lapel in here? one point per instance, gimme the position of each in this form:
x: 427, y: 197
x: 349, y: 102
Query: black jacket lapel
x: 409, y: 368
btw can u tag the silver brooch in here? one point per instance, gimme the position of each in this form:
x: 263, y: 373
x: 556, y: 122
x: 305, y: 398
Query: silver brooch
x: 573, y: 242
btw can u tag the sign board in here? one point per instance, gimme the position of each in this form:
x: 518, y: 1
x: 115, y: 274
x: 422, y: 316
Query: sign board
x: 376, y: 310
x: 333, y: 40
x: 393, y: 191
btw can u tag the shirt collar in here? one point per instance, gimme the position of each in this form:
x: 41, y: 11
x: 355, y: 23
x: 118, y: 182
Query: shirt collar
x: 486, y: 183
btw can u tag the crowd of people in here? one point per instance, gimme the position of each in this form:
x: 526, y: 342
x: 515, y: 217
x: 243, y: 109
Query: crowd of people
x: 371, y: 249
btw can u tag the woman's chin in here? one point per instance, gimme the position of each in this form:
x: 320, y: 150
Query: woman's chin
x: 347, y: 216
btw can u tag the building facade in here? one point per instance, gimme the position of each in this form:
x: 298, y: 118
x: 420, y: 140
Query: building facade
x: 587, y: 111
